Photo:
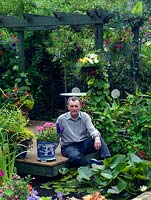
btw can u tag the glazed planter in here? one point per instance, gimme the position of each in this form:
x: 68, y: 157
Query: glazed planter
x: 46, y: 151
x: 23, y: 148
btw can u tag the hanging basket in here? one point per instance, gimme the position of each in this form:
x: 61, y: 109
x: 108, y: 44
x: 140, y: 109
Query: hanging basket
x: 89, y: 71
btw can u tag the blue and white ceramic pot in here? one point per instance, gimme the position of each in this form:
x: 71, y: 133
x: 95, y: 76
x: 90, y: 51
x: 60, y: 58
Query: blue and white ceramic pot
x: 46, y: 151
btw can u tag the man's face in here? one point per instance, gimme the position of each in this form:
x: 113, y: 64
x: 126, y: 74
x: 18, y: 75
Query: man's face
x: 74, y: 108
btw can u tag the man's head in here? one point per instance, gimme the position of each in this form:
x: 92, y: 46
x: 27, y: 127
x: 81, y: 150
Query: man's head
x: 74, y: 106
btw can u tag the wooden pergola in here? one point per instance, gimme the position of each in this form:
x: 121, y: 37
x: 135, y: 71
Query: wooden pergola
x: 93, y: 18
x: 31, y: 22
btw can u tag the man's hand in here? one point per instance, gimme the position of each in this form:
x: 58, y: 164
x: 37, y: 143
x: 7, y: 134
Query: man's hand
x: 97, y: 143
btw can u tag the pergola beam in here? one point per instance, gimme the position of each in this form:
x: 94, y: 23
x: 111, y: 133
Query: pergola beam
x: 60, y: 19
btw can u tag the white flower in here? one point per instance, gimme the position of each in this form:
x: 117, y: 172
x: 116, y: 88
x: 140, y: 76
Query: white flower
x: 93, y: 55
x: 148, y: 43
x: 90, y: 61
x: 143, y: 188
x: 96, y: 60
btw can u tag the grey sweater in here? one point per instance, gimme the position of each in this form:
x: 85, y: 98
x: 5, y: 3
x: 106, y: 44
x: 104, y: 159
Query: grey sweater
x: 76, y: 130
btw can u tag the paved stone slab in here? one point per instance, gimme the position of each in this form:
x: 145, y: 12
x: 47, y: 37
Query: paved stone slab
x: 144, y: 196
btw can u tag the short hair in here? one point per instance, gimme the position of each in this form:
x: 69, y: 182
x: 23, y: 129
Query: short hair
x: 74, y: 98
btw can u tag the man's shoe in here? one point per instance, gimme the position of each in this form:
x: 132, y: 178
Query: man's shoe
x: 97, y: 162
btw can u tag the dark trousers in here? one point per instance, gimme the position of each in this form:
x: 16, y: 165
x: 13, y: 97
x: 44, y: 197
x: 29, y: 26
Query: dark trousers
x: 76, y: 151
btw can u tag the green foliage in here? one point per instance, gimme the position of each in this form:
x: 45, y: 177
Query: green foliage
x: 16, y: 187
x: 138, y: 9
x: 14, y: 123
x: 50, y: 56
x: 8, y: 151
x: 120, y: 177
x: 108, y: 123
x: 19, y: 97
x: 98, y: 88
x: 46, y: 7
x: 137, y: 120
x: 124, y: 124
x: 47, y: 132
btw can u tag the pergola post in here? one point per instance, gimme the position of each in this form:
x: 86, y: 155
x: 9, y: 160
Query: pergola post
x: 136, y: 24
x: 99, y: 36
x: 21, y: 50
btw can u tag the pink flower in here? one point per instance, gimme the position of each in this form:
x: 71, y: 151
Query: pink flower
x: 39, y: 128
x: 106, y: 42
x: 1, y: 172
x: 48, y: 125
x: 119, y: 46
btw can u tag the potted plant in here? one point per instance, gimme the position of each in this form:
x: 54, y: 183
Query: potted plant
x: 47, y: 141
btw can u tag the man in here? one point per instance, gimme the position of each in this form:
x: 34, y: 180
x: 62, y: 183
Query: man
x: 78, y: 136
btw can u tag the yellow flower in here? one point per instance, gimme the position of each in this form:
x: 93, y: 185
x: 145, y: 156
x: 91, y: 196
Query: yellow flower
x: 84, y: 60
x: 90, y: 58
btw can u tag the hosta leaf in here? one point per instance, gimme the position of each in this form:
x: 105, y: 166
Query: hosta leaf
x: 134, y: 158
x: 115, y: 160
x: 148, y: 172
x: 117, y: 189
x: 106, y: 175
x: 119, y: 167
x: 84, y: 173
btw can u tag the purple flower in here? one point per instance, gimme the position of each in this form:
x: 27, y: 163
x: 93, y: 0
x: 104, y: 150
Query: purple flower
x: 1, y: 173
x: 60, y: 195
x: 59, y: 129
x: 33, y: 195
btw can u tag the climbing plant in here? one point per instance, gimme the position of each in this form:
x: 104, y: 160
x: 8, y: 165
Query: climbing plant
x: 58, y: 49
